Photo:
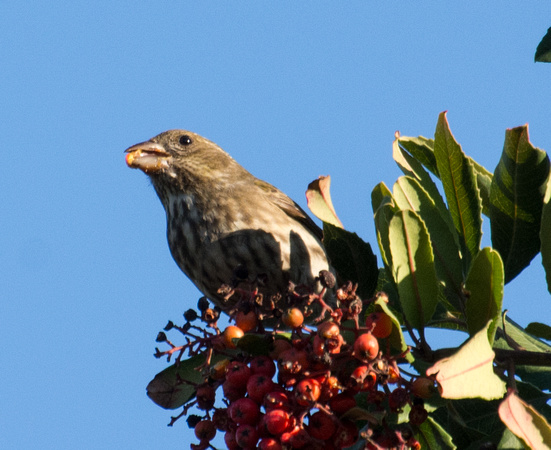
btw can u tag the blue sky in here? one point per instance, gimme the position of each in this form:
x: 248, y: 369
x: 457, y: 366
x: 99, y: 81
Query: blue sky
x: 291, y: 89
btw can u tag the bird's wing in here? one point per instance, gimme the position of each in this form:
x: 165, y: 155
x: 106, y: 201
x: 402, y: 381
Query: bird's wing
x: 289, y: 207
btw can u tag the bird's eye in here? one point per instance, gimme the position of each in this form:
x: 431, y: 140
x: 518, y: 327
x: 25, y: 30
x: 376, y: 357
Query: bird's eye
x: 185, y: 140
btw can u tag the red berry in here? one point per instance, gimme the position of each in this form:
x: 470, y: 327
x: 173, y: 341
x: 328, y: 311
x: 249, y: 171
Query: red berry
x: 205, y: 397
x: 263, y: 365
x: 229, y: 440
x: 246, y: 436
x: 205, y: 430
x: 244, y: 411
x: 347, y: 434
x: 366, y: 347
x: 277, y: 399
x: 307, y: 391
x: 293, y: 361
x: 342, y: 403
x: 238, y: 373
x: 276, y: 421
x: 269, y: 444
x: 321, y: 426
x: 417, y: 415
x: 380, y: 324
x: 300, y: 438
x: 328, y: 330
x: 233, y: 391
x: 258, y: 386
x: 397, y: 399
x: 362, y: 379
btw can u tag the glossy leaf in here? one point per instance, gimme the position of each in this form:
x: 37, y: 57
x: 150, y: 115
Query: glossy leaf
x: 525, y: 422
x: 413, y: 267
x: 319, y: 201
x: 469, y: 373
x: 462, y: 194
x: 422, y: 150
x: 383, y: 215
x: 517, y: 200
x: 485, y: 286
x: 408, y: 194
x: 413, y: 168
x: 379, y: 195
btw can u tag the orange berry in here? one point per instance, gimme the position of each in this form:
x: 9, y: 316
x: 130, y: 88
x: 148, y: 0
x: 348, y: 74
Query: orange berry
x: 246, y: 322
x: 293, y: 318
x: 380, y: 324
x: 230, y: 333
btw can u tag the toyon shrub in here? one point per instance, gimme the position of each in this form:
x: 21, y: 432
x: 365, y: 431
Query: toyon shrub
x: 352, y: 366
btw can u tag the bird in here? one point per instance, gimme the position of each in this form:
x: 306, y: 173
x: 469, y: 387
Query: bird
x: 222, y: 219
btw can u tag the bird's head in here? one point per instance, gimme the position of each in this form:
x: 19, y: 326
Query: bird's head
x: 182, y: 158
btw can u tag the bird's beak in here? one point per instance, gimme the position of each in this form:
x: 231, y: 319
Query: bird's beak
x: 147, y: 156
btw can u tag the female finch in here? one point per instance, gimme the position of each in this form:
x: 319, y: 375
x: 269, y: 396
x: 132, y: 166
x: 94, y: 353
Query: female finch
x: 220, y: 218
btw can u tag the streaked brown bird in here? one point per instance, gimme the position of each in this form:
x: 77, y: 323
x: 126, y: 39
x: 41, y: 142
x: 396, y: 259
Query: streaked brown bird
x: 220, y: 217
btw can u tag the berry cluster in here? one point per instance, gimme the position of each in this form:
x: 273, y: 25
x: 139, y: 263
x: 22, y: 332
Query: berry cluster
x: 321, y: 387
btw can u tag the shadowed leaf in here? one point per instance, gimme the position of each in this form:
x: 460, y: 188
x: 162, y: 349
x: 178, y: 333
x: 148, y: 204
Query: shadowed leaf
x: 543, y: 52
x: 352, y: 258
x: 516, y: 200
x: 545, y: 234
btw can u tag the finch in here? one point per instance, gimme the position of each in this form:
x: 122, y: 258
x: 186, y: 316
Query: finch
x: 220, y: 218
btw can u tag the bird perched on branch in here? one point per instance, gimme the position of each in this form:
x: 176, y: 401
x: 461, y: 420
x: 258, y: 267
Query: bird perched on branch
x: 220, y: 218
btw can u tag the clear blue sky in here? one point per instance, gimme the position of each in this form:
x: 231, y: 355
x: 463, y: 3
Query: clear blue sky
x: 291, y: 89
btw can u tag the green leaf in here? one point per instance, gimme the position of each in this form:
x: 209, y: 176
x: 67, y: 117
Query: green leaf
x: 517, y: 200
x: 469, y: 373
x: 539, y: 330
x: 408, y: 194
x: 459, y: 181
x: 383, y: 215
x: 422, y: 149
x: 167, y: 390
x: 352, y: 258
x: 413, y: 168
x: 380, y: 195
x: 413, y: 267
x: 510, y: 442
x: 484, y: 183
x: 485, y: 286
x: 545, y: 234
x: 432, y: 436
x: 543, y: 52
